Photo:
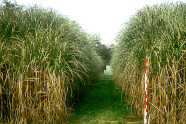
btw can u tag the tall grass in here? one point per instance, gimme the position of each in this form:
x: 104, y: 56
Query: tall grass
x: 46, y: 61
x: 160, y: 32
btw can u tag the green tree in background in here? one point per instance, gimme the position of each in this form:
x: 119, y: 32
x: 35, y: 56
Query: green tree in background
x: 103, y: 50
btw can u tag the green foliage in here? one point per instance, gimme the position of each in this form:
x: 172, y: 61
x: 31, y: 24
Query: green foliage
x: 102, y: 50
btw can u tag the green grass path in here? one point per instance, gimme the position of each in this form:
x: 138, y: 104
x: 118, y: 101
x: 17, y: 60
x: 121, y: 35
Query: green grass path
x: 102, y: 105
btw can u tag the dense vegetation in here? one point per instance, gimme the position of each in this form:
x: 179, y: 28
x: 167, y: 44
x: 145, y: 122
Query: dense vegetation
x: 46, y: 61
x: 159, y: 32
x: 103, y: 50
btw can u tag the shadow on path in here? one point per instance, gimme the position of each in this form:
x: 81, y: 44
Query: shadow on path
x: 102, y: 105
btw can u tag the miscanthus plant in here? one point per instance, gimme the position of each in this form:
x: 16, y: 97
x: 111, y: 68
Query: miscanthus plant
x: 160, y: 33
x: 46, y: 61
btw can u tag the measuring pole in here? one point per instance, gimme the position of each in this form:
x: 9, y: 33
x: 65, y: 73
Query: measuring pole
x: 145, y: 110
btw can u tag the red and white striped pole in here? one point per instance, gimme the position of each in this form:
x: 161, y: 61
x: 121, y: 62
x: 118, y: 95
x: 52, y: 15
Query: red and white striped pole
x: 145, y: 110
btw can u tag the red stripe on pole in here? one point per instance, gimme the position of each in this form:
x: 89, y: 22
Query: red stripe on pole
x: 145, y: 107
x: 145, y: 64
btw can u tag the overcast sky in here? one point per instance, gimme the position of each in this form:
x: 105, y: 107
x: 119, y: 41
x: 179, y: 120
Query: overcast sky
x: 104, y: 17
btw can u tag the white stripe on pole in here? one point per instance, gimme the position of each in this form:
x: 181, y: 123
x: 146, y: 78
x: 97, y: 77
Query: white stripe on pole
x: 145, y: 107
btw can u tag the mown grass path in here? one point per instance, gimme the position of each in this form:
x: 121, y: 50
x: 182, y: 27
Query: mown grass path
x: 102, y: 105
